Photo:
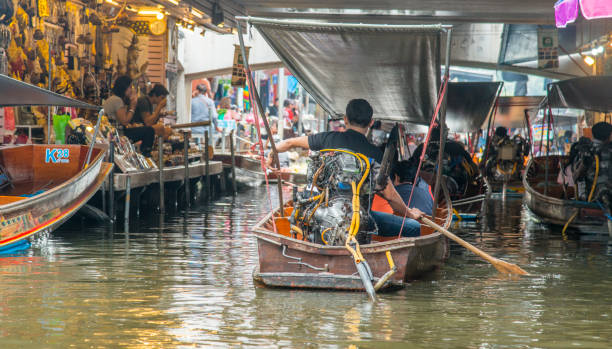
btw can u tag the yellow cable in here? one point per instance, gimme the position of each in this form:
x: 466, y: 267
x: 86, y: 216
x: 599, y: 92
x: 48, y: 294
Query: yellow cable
x: 323, y: 235
x: 459, y: 218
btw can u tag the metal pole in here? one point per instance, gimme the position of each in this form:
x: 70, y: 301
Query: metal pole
x: 160, y: 147
x: 126, y: 216
x: 93, y: 140
x: 207, y: 165
x: 104, y: 196
x: 49, y: 88
x: 187, y: 182
x: 111, y: 183
x: 442, y: 119
x: 547, y: 151
x: 233, y: 161
x: 263, y: 116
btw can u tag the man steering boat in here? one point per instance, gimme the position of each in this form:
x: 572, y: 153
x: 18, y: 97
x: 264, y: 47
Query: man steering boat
x: 358, y: 120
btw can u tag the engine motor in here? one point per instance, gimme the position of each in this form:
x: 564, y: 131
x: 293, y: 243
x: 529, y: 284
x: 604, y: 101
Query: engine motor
x: 341, y: 182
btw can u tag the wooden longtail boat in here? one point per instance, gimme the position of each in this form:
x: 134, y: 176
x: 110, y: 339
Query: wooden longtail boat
x: 44, y: 185
x: 549, y: 204
x: 290, y: 262
x: 548, y: 200
x: 48, y: 185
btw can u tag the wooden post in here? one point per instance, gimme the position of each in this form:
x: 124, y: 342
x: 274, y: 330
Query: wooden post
x: 187, y: 181
x: 263, y: 116
x: 207, y: 165
x: 126, y: 213
x: 160, y: 146
x: 111, y: 183
x: 233, y: 162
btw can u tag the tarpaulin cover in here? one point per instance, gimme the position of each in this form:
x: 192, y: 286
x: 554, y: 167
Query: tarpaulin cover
x: 588, y: 93
x: 469, y: 104
x: 395, y: 68
x: 15, y: 93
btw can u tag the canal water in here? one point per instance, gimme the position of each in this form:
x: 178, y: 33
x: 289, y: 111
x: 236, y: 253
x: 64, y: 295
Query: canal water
x: 185, y: 281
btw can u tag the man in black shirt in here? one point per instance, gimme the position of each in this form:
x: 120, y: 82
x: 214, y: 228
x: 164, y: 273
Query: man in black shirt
x: 148, y: 115
x: 358, y: 119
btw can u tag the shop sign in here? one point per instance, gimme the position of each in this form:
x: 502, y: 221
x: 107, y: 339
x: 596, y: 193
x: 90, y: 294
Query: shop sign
x: 548, y: 48
x: 227, y: 124
x: 238, y: 73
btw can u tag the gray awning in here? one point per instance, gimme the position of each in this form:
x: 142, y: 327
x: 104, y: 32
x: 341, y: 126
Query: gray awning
x: 592, y: 93
x: 18, y: 93
x: 469, y: 104
x: 395, y: 67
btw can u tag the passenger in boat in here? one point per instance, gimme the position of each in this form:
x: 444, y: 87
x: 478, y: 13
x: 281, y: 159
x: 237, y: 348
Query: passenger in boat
x: 505, y: 155
x: 459, y: 167
x: 358, y: 120
x: 120, y: 109
x: 149, y: 109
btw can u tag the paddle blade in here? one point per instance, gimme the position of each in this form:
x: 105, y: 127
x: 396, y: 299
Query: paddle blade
x: 508, y: 268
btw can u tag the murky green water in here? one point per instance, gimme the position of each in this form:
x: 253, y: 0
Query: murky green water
x: 186, y: 282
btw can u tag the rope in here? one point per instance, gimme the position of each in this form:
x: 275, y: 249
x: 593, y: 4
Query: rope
x: 424, y: 151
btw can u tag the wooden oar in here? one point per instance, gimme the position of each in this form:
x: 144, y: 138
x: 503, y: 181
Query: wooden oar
x: 501, y: 266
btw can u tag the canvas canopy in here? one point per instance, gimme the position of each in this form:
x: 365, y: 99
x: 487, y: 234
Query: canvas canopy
x: 394, y: 67
x: 469, y: 104
x: 588, y: 93
x: 15, y: 93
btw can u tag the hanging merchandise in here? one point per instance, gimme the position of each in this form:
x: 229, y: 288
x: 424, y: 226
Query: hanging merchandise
x: 59, y: 127
x: 246, y: 98
x: 238, y: 73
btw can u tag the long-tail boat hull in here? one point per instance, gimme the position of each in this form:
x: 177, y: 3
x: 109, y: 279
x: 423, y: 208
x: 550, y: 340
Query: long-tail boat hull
x: 289, y: 262
x: 551, y: 207
x: 48, y: 186
x: 249, y: 173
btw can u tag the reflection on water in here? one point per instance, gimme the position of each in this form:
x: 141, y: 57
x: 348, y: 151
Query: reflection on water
x: 185, y: 280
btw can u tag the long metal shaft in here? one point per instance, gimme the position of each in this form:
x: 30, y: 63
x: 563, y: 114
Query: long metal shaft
x: 442, y: 119
x: 263, y: 116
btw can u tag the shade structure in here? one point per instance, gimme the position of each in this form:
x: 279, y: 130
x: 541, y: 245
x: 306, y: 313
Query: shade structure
x: 589, y: 93
x: 394, y: 67
x: 15, y: 93
x: 469, y: 104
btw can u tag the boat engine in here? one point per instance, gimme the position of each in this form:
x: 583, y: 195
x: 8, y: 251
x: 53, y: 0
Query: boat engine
x: 341, y: 188
x: 582, y: 161
x: 507, y: 157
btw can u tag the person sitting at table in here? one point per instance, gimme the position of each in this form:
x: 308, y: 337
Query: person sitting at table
x: 120, y: 109
x: 149, y: 108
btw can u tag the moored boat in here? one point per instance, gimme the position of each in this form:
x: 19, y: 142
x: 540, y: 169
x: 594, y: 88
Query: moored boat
x: 557, y: 203
x: 43, y: 185
x: 548, y: 203
x: 45, y: 190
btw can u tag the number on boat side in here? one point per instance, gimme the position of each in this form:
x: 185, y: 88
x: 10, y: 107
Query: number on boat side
x: 57, y: 155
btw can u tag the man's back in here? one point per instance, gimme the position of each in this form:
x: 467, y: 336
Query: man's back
x: 349, y: 139
x: 202, y: 109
